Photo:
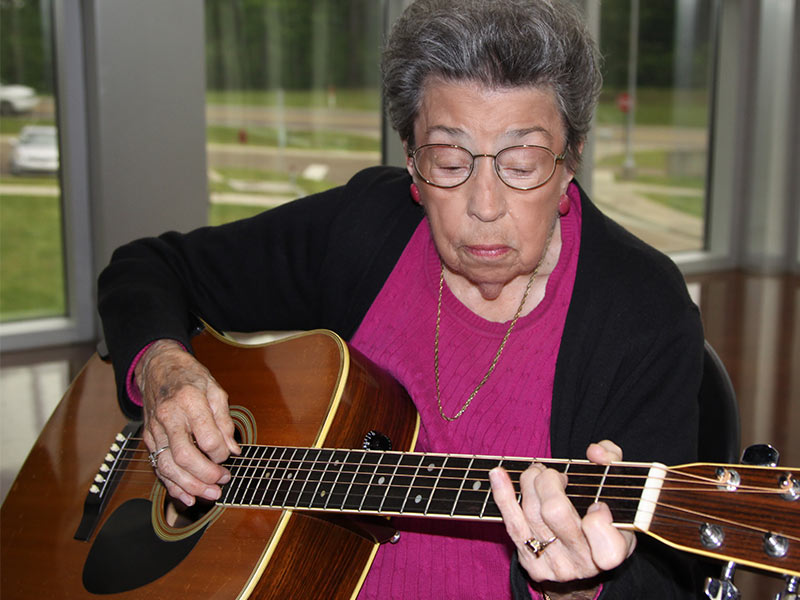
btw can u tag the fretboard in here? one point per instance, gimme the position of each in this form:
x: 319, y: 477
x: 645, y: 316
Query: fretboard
x: 421, y: 484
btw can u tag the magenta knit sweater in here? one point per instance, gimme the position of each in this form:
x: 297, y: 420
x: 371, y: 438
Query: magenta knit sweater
x: 438, y: 559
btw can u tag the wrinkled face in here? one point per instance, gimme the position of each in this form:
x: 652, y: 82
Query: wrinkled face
x: 485, y: 231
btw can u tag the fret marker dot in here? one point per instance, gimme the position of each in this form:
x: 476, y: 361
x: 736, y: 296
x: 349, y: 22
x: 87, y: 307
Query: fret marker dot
x: 322, y: 493
x: 418, y: 499
x: 289, y: 475
x: 381, y: 480
x: 476, y: 486
x: 431, y: 467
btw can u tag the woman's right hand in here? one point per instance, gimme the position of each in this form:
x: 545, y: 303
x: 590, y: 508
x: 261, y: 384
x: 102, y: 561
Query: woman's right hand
x: 186, y: 413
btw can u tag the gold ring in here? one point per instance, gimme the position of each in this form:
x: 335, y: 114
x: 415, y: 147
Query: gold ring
x: 538, y: 546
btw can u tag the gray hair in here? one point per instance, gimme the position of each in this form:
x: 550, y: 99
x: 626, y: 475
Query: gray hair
x: 496, y: 43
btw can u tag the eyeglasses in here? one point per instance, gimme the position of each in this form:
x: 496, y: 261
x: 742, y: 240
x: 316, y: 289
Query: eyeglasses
x: 519, y: 167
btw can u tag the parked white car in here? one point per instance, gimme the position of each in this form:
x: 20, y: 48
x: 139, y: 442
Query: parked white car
x: 16, y: 99
x: 36, y: 150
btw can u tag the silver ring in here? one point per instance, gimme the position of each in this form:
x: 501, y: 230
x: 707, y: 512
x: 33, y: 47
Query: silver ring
x: 154, y: 456
x: 538, y: 546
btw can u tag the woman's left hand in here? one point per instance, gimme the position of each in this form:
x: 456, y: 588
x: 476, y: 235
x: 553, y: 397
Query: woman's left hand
x: 582, y: 547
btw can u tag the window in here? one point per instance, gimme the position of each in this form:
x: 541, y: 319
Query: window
x: 652, y: 131
x: 293, y: 99
x: 32, y: 273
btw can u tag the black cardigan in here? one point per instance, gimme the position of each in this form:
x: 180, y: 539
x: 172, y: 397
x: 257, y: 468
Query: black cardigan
x: 628, y: 369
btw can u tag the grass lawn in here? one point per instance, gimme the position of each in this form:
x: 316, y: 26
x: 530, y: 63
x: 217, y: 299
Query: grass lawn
x: 652, y: 168
x: 693, y: 205
x: 225, y: 213
x: 655, y: 106
x: 269, y: 136
x: 251, y: 175
x: 31, y: 263
x: 346, y: 99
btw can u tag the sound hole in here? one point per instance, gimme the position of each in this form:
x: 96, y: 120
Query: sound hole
x: 177, y: 514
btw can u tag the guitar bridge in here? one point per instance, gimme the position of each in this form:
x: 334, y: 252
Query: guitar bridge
x: 105, y: 481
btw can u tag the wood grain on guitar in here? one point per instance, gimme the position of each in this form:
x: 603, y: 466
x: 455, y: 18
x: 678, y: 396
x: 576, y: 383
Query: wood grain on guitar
x: 303, y: 407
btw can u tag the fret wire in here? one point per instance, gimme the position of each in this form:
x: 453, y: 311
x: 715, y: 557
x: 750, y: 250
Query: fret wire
x: 258, y: 471
x: 321, y: 477
x: 401, y: 474
x: 355, y: 473
x: 294, y: 477
x: 602, y: 481
x: 241, y: 492
x: 238, y: 487
x: 413, y: 479
x: 261, y: 470
x: 307, y: 478
x: 461, y: 487
x: 335, y: 482
x: 435, y: 483
x: 278, y: 476
x: 488, y: 494
x: 389, y: 485
x: 369, y: 485
x: 267, y: 475
x: 282, y: 473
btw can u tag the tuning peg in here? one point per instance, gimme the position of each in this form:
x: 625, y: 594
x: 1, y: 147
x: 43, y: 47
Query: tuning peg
x: 790, y: 593
x: 762, y: 455
x: 723, y: 588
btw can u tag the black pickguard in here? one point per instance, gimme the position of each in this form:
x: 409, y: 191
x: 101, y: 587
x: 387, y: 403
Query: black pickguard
x: 127, y: 554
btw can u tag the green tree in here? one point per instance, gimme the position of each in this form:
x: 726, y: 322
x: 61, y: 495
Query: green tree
x: 26, y: 43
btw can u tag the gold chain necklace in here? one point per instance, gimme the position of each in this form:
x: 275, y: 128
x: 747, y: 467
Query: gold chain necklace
x: 502, y: 344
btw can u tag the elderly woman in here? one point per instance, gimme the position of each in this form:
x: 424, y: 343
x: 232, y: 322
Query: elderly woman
x: 520, y: 319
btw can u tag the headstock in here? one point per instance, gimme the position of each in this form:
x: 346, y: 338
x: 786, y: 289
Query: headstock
x: 753, y: 519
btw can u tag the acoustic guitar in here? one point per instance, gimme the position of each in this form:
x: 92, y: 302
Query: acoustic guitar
x: 327, y: 443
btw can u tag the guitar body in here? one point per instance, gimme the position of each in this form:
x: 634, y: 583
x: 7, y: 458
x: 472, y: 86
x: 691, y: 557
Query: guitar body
x: 307, y: 391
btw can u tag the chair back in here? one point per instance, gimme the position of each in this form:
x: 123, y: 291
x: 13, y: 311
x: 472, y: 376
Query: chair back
x: 720, y: 429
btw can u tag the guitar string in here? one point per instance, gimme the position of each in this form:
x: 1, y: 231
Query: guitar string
x: 277, y: 483
x: 567, y: 462
x: 699, y: 517
x: 684, y: 477
x: 688, y: 517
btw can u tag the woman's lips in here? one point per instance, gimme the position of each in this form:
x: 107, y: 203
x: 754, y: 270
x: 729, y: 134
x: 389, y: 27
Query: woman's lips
x: 488, y: 251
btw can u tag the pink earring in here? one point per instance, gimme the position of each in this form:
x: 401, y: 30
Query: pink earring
x: 563, y: 205
x: 415, y: 193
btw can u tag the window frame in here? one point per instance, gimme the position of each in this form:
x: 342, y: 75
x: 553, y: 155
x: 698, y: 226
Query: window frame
x: 78, y: 324
x: 747, y: 37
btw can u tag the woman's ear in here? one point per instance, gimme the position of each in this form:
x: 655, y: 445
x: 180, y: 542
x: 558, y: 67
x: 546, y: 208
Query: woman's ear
x: 569, y: 174
x: 409, y: 160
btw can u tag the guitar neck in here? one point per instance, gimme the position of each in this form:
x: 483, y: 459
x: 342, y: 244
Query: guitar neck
x: 702, y: 508
x: 421, y: 484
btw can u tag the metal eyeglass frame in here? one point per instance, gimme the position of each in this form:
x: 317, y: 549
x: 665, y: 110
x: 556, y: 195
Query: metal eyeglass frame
x: 557, y: 158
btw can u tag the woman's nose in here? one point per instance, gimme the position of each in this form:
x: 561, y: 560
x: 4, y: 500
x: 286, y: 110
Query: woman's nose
x: 486, y: 198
